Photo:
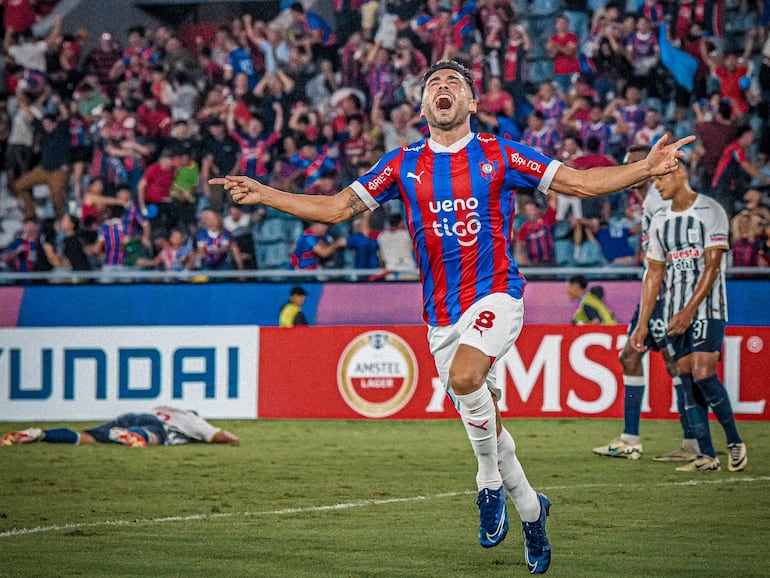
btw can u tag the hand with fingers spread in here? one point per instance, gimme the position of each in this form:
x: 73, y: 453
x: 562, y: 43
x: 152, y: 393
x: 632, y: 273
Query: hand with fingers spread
x: 664, y: 158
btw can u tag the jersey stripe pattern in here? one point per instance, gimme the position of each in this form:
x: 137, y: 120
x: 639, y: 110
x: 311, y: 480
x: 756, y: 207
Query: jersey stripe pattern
x: 680, y: 239
x: 459, y: 202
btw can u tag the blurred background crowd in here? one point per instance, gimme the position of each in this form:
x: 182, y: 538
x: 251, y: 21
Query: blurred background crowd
x: 108, y: 143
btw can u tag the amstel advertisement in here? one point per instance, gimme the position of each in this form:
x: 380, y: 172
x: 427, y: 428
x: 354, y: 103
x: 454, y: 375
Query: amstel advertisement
x: 554, y: 371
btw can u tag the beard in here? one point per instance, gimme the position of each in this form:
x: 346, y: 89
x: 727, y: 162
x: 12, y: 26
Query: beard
x: 457, y: 117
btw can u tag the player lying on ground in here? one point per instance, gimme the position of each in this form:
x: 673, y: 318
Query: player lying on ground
x: 166, y: 425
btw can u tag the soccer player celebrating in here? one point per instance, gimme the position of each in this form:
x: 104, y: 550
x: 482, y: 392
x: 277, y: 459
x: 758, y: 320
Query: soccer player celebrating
x: 687, y: 247
x: 458, y: 190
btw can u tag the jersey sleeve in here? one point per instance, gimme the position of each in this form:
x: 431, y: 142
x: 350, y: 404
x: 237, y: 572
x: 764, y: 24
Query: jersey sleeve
x: 380, y: 183
x: 655, y: 250
x: 717, y: 228
x: 528, y: 167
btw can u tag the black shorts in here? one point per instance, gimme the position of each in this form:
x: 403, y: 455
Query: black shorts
x: 703, y: 335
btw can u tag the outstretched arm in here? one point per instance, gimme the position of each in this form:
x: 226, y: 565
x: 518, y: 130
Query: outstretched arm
x: 317, y: 208
x: 662, y: 159
x: 225, y: 437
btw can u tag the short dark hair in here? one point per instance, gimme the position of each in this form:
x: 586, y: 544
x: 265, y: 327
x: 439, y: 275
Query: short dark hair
x: 579, y: 280
x: 297, y: 291
x: 593, y: 144
x: 450, y: 65
x: 725, y: 110
x: 395, y: 220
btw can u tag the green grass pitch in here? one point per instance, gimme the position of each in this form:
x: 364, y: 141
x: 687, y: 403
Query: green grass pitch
x: 375, y: 499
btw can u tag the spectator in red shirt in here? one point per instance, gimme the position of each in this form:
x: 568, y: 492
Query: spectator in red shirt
x: 730, y: 70
x: 18, y: 15
x: 562, y: 47
x: 496, y: 101
x: 731, y: 178
x: 155, y: 190
x: 153, y: 119
x: 106, y: 60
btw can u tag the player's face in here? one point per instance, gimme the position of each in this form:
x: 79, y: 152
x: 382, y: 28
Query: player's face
x: 447, y: 100
x: 670, y: 184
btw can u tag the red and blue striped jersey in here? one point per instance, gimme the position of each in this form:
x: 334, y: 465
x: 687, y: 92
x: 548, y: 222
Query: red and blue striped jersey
x: 113, y: 233
x: 303, y: 256
x: 255, y: 151
x: 23, y: 261
x: 459, y: 202
x: 216, y: 246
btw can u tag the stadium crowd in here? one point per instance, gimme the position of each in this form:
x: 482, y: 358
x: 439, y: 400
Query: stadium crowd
x: 108, y: 146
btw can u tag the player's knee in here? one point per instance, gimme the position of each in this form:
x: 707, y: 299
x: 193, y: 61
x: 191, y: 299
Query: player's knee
x: 465, y: 381
x: 631, y: 360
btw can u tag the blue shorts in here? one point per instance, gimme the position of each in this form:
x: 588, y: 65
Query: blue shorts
x: 657, y: 339
x: 133, y: 421
x: 703, y: 335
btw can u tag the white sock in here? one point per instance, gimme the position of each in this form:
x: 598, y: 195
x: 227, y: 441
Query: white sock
x: 691, y: 445
x: 631, y: 439
x: 477, y: 410
x: 515, y: 481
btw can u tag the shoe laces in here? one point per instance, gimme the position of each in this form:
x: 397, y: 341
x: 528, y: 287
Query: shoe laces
x: 535, y: 533
x: 485, y: 497
x: 735, y: 452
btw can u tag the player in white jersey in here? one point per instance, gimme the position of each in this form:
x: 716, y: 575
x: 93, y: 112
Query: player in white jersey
x: 165, y: 426
x: 628, y: 444
x: 185, y: 426
x: 686, y: 254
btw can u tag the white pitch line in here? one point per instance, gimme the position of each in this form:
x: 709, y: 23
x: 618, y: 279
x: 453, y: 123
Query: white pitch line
x: 345, y: 506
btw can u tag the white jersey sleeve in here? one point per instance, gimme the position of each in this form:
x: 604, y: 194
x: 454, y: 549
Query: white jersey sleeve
x: 653, y: 203
x: 183, y: 426
x: 655, y: 249
x: 716, y: 224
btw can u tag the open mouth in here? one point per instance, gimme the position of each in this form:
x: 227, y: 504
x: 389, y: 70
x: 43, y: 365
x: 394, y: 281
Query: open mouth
x: 443, y: 102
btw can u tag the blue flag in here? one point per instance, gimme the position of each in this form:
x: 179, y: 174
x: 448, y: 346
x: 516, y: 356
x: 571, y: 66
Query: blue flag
x: 679, y: 63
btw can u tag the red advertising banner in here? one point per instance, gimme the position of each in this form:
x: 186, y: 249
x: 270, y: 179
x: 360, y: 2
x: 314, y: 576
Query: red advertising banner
x: 554, y: 371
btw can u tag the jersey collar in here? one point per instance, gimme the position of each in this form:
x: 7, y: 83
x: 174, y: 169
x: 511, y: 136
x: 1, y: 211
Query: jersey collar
x: 454, y: 147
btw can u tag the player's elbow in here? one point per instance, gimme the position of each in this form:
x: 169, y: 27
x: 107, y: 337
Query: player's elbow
x: 573, y: 182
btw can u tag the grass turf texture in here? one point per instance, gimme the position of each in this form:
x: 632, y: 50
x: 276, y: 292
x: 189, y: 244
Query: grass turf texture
x: 375, y: 499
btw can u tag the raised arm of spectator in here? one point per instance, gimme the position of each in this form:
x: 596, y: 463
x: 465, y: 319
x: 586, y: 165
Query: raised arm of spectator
x: 278, y: 125
x: 141, y: 190
x: 297, y: 111
x: 54, y: 37
x: 259, y: 88
x: 286, y: 81
x: 751, y: 37
x: 377, y: 116
x: 7, y: 39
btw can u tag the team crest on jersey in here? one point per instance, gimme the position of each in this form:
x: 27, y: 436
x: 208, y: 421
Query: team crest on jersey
x: 693, y: 236
x: 488, y: 169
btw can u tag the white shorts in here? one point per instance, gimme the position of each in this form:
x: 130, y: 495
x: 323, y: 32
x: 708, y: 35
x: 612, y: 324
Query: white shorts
x: 490, y: 325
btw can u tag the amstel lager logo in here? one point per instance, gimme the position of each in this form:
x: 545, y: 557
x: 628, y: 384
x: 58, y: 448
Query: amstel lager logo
x: 377, y: 374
